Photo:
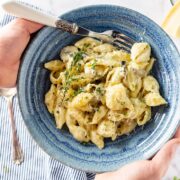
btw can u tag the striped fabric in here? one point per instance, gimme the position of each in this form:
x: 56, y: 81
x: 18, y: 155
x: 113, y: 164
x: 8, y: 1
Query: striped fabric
x: 37, y: 164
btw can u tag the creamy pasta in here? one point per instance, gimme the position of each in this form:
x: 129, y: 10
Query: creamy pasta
x: 101, y: 92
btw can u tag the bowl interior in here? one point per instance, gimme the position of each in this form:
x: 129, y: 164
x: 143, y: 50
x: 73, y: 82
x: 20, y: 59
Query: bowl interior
x: 34, y: 83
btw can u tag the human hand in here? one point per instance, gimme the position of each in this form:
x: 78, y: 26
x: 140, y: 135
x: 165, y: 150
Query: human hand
x: 14, y: 38
x: 153, y: 169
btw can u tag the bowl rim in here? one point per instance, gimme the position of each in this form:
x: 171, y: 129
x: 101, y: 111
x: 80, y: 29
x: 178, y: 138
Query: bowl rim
x: 37, y: 139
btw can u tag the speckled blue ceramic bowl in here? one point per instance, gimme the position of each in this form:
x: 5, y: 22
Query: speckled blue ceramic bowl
x: 34, y: 83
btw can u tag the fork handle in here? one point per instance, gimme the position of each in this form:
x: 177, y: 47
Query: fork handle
x: 27, y: 12
x: 17, y: 153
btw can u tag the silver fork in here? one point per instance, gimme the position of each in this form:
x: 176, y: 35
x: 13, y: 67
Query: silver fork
x: 110, y: 36
x: 27, y: 12
x: 17, y: 154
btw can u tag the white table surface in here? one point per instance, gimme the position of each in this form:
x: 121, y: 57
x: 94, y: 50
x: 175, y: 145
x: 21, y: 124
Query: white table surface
x: 154, y: 9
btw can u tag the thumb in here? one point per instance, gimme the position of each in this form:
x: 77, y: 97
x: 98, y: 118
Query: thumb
x: 22, y: 25
x: 26, y: 25
x: 14, y: 37
x: 163, y: 158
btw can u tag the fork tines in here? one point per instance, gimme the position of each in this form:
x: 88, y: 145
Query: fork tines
x: 119, y: 45
x: 122, y: 41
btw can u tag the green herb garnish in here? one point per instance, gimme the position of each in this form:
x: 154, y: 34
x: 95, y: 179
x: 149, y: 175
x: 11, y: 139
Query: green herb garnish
x: 67, y: 99
x: 176, y: 178
x: 100, y: 91
x: 78, y: 67
x: 68, y: 82
x: 80, y: 90
x: 94, y: 64
x: 75, y: 67
x: 85, y: 46
x: 77, y: 57
x: 66, y: 74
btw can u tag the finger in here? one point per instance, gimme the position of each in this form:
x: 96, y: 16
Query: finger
x: 27, y: 25
x: 163, y: 158
x: 177, y: 135
x: 140, y: 170
x: 20, y: 28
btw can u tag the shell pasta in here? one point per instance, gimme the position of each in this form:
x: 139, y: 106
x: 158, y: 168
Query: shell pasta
x: 101, y: 92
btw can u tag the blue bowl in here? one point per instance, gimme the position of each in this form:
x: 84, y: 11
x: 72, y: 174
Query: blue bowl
x: 34, y: 83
